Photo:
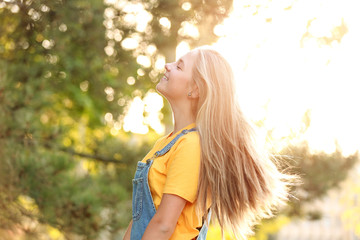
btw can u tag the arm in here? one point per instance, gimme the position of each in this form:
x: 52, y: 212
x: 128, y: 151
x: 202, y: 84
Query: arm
x: 163, y: 224
x: 128, y: 232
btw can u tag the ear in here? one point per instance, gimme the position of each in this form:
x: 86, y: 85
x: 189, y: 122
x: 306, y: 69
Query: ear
x: 194, y: 92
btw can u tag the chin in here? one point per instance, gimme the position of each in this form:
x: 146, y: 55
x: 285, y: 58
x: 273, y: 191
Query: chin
x: 159, y: 90
x: 162, y: 93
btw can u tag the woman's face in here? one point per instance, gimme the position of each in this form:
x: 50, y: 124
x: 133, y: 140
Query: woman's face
x: 176, y: 82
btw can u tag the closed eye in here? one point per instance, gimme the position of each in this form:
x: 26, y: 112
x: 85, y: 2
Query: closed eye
x: 180, y: 63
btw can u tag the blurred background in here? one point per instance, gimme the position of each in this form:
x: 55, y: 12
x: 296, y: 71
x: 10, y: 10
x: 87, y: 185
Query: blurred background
x: 78, y: 106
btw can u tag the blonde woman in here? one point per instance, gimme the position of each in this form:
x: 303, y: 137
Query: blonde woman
x: 209, y: 164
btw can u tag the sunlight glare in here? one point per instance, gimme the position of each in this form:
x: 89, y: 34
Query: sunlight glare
x: 160, y: 63
x: 144, y: 61
x: 186, y: 6
x: 182, y: 48
x: 189, y: 29
x: 153, y: 105
x: 134, y: 119
x: 130, y: 80
x: 287, y: 57
x: 129, y: 43
x: 164, y: 21
x: 282, y: 68
x: 151, y: 49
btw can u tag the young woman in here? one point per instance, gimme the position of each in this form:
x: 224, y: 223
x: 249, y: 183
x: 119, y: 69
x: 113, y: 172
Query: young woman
x: 208, y: 164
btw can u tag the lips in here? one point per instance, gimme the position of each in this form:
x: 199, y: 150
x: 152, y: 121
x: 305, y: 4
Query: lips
x: 165, y: 78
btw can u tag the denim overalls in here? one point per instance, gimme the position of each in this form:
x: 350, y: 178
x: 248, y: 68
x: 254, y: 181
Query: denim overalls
x: 143, y: 208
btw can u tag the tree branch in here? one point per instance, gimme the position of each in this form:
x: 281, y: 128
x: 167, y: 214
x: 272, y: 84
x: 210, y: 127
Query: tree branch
x: 85, y: 155
x: 89, y: 156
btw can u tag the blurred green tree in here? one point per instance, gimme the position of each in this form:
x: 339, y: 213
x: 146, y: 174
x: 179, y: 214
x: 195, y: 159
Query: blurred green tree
x: 56, y: 85
x: 318, y: 173
x: 66, y: 77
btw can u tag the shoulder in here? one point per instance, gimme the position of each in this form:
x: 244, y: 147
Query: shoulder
x: 183, y: 167
x: 159, y: 142
x: 191, y: 137
x: 187, y: 148
x: 190, y: 140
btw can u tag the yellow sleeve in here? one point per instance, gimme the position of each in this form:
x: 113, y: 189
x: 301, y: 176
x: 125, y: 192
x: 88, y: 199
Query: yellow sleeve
x: 183, y: 168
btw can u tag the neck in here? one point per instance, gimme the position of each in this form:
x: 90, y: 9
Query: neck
x: 183, y: 116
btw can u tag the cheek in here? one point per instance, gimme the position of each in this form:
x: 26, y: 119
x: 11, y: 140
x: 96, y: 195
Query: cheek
x: 179, y: 85
x: 175, y: 88
x: 182, y: 79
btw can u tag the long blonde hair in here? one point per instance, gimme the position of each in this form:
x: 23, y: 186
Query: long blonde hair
x: 242, y: 180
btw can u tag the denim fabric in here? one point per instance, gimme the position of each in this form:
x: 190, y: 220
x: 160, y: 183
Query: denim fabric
x: 204, y: 228
x: 143, y: 208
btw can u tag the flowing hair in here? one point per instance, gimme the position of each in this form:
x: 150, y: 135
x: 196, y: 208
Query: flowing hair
x: 241, y: 179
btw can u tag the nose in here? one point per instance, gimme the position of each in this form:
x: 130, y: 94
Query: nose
x: 167, y: 67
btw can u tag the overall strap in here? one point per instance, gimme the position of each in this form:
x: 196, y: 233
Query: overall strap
x: 170, y: 144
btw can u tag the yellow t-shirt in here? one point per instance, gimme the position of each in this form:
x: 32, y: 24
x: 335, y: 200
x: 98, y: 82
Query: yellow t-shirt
x: 177, y: 172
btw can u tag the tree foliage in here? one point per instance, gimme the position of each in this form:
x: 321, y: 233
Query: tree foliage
x: 319, y: 172
x: 64, y: 88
